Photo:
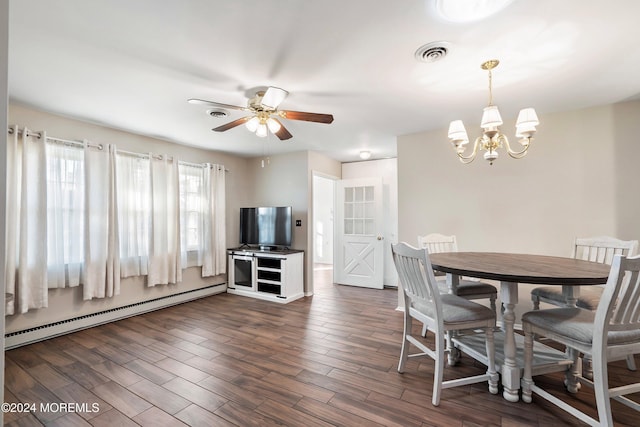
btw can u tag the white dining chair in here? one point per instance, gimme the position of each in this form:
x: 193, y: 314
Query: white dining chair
x: 470, y: 289
x: 440, y: 313
x: 610, y: 332
x: 596, y: 249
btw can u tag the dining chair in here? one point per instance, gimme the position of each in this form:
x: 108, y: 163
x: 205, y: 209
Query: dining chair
x: 470, y: 289
x: 597, y: 249
x: 610, y: 332
x: 440, y: 313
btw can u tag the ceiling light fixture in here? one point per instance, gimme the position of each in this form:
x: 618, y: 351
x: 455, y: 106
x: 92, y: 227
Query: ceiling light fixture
x: 273, y: 97
x: 261, y: 123
x: 469, y: 10
x: 492, y: 138
x: 365, y: 155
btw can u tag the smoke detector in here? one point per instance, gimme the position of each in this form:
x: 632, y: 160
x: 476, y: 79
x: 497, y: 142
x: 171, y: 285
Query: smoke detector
x: 217, y: 113
x: 432, y: 52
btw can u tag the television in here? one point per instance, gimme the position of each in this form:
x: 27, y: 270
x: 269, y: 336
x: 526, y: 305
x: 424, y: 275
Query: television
x: 265, y: 226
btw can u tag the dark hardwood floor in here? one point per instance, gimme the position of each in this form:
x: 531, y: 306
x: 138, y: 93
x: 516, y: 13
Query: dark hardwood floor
x: 228, y: 360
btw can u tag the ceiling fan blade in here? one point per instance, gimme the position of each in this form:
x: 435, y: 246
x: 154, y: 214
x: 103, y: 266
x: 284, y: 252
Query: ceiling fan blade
x: 231, y: 125
x: 308, y: 117
x: 273, y: 97
x: 216, y: 104
x: 283, y: 133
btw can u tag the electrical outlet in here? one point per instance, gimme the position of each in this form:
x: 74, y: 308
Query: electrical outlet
x: 298, y: 223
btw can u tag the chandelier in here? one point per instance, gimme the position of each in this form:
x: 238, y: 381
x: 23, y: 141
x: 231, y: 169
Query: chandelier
x: 492, y: 139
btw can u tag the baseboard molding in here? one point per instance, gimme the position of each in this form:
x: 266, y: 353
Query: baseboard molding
x: 51, y: 330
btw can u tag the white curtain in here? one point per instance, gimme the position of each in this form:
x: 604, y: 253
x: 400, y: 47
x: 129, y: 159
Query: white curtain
x: 82, y: 232
x: 164, y: 247
x: 82, y: 216
x: 215, y: 245
x: 26, y: 225
x: 101, y: 269
x: 133, y: 187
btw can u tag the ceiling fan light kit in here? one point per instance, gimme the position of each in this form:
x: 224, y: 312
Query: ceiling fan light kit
x: 273, y: 97
x: 265, y: 114
x: 492, y: 139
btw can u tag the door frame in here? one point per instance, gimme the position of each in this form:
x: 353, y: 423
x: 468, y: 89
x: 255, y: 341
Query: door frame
x: 312, y: 229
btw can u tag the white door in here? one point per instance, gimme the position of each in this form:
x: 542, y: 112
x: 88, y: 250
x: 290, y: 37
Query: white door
x: 359, y: 242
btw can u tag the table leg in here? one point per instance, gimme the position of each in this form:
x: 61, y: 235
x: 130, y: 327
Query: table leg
x: 571, y: 294
x: 453, y: 353
x: 453, y: 280
x: 510, y: 369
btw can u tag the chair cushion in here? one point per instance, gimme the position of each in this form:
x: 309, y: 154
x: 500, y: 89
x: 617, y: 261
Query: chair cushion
x: 468, y: 287
x: 576, y: 324
x: 589, y: 295
x: 456, y: 309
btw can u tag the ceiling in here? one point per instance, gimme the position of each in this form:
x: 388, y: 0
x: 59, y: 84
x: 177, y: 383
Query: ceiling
x: 132, y: 65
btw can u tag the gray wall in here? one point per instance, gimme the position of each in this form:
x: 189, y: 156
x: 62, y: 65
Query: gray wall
x: 287, y: 180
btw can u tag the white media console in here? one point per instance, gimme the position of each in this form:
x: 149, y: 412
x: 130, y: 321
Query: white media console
x: 269, y: 275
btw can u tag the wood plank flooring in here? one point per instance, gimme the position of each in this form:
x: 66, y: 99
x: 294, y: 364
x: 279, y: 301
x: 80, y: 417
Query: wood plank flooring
x: 227, y: 360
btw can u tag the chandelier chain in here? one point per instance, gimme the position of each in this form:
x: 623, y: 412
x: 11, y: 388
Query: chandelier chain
x: 490, y: 90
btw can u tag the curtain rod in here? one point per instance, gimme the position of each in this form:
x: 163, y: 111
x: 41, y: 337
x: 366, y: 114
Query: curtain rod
x: 161, y: 157
x: 100, y: 147
x: 60, y: 140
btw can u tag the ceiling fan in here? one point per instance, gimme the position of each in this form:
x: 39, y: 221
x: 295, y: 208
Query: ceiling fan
x: 265, y: 115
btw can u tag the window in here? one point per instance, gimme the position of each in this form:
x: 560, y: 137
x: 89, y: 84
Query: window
x: 191, y: 206
x: 134, y: 213
x: 65, y: 214
x: 191, y: 213
x: 359, y: 210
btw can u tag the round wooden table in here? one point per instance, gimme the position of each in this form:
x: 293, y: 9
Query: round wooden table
x: 511, y: 269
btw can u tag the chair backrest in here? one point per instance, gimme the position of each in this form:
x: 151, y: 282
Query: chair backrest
x: 417, y: 280
x: 603, y: 249
x: 619, y: 307
x: 437, y: 243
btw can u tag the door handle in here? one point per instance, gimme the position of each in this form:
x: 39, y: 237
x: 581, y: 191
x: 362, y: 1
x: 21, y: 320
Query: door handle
x: 380, y: 238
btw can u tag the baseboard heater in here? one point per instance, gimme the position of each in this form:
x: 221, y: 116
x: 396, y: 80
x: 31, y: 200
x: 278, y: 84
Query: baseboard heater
x: 51, y: 330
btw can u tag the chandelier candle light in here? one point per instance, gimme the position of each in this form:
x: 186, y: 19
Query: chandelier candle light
x: 492, y: 138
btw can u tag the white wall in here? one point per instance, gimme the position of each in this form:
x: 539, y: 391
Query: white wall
x: 387, y: 169
x: 67, y: 303
x: 4, y: 98
x: 579, y: 179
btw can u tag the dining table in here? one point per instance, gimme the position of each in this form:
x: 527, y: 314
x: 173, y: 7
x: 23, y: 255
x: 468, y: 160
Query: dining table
x: 512, y: 269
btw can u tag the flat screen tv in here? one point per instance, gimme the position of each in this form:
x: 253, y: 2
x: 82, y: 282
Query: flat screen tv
x: 265, y: 226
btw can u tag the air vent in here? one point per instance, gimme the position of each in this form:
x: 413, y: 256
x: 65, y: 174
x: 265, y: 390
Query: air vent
x: 432, y: 52
x: 217, y: 113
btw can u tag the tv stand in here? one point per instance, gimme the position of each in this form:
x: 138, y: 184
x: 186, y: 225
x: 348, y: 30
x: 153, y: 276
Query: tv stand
x: 272, y: 275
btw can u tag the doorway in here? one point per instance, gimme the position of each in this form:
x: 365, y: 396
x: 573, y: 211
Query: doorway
x: 323, y: 238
